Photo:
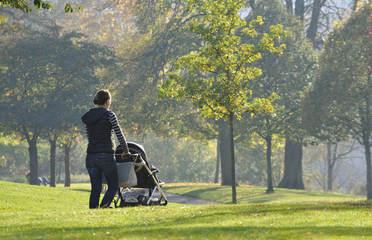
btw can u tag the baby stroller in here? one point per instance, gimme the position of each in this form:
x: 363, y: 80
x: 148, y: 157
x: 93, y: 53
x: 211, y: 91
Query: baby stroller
x: 148, y: 189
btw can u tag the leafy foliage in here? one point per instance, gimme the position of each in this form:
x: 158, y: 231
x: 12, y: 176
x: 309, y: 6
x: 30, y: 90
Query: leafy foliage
x: 287, y: 76
x: 216, y: 78
x: 26, y: 6
x: 341, y: 95
x: 40, y: 76
x: 161, y: 37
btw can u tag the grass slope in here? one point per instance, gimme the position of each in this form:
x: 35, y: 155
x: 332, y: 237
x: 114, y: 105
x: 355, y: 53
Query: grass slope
x: 32, y: 212
x: 249, y: 194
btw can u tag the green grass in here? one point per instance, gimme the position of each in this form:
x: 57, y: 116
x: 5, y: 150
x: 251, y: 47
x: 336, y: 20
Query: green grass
x: 255, y: 195
x: 32, y: 212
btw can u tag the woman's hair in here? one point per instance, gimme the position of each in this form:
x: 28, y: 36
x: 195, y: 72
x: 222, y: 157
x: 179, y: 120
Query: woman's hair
x: 101, y: 97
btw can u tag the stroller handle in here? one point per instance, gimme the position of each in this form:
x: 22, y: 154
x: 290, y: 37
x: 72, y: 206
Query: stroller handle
x: 130, y: 158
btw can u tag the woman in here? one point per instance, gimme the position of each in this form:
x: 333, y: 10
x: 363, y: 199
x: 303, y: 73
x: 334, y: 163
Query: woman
x: 100, y: 122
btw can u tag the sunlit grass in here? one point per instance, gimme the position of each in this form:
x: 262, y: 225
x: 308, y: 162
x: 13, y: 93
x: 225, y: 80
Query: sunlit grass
x: 32, y: 212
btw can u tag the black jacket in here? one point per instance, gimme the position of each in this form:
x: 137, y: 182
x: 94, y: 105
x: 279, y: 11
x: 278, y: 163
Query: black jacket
x: 99, y: 130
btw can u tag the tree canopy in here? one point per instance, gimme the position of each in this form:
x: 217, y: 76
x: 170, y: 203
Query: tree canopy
x: 40, y: 77
x: 341, y: 95
x: 216, y: 77
x: 287, y: 76
x: 27, y: 5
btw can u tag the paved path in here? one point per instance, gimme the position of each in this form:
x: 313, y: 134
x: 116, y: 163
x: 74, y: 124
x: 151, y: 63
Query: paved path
x: 172, y: 198
x: 175, y: 198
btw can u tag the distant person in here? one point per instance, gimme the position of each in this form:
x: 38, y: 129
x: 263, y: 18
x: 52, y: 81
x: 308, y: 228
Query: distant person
x: 44, y: 180
x: 40, y: 180
x: 100, y: 159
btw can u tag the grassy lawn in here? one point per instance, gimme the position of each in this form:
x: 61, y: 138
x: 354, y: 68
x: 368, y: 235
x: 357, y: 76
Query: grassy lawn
x: 32, y: 212
x: 255, y: 195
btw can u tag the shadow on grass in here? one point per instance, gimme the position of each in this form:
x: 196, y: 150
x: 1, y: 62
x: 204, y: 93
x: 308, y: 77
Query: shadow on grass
x: 256, y: 195
x: 173, y: 231
x: 80, y: 190
x: 260, y: 197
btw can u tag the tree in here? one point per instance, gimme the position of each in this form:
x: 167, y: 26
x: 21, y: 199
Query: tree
x: 110, y: 22
x: 331, y: 166
x: 312, y: 30
x: 333, y: 157
x: 41, y: 73
x: 53, y: 147
x: 316, y: 17
x: 13, y: 153
x: 161, y: 37
x: 216, y: 78
x: 67, y: 140
x: 341, y: 93
x: 287, y: 76
x: 26, y: 6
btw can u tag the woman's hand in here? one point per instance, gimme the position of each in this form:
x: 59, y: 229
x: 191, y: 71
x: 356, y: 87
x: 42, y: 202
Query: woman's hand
x: 124, y: 154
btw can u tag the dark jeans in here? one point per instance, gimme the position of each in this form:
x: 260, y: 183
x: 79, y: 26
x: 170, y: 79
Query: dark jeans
x: 98, y: 164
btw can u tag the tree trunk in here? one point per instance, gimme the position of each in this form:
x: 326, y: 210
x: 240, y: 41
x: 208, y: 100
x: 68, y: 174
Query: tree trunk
x: 252, y: 4
x: 225, y: 149
x: 231, y: 124
x: 217, y: 163
x: 329, y: 167
x: 33, y: 177
x: 355, y: 4
x: 270, y: 188
x: 289, y: 5
x: 66, y: 148
x: 367, y: 148
x: 32, y: 150
x: 292, y: 177
x: 366, y: 123
x: 60, y: 160
x: 53, y: 146
x: 313, y: 28
x: 300, y: 9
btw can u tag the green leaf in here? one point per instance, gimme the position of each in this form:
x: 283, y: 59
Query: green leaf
x: 3, y: 18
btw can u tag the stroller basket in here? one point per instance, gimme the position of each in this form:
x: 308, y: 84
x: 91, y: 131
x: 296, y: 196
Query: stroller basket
x: 148, y: 190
